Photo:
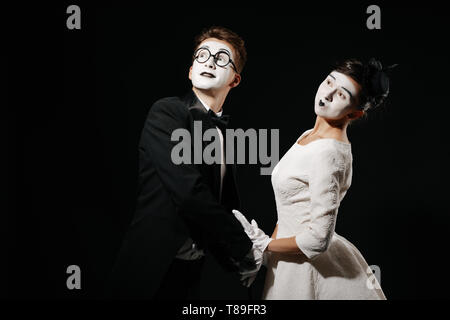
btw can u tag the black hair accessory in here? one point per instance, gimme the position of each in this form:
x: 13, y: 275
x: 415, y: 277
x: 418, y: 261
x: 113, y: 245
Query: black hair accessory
x: 376, y: 83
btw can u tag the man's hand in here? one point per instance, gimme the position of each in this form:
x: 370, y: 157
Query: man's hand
x: 258, y: 237
x: 248, y: 273
x: 260, y: 242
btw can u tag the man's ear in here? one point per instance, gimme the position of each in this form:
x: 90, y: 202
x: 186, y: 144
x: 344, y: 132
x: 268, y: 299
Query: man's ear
x: 236, y: 80
x: 190, y: 73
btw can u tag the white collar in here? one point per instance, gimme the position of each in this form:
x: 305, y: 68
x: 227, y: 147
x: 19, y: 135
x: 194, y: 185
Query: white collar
x: 219, y: 114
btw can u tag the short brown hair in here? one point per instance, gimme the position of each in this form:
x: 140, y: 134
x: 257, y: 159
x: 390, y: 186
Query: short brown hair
x: 229, y: 36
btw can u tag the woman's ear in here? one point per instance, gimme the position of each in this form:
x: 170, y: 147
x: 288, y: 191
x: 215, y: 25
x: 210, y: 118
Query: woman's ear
x: 236, y: 80
x: 355, y: 114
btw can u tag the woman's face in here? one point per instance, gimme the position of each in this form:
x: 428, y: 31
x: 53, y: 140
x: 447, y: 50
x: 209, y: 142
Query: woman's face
x: 337, y: 96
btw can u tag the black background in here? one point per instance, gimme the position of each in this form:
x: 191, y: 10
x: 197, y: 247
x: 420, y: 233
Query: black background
x: 79, y: 99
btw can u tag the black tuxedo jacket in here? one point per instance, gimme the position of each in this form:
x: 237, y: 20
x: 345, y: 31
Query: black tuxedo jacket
x: 175, y: 202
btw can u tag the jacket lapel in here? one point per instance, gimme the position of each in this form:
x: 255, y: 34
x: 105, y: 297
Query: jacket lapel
x: 199, y: 113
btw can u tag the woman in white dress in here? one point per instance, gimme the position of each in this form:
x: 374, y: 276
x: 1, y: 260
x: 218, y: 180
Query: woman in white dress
x: 305, y: 257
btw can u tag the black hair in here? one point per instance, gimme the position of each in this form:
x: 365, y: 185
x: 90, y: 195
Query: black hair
x: 371, y: 76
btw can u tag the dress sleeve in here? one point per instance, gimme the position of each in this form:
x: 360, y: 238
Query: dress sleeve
x: 324, y: 186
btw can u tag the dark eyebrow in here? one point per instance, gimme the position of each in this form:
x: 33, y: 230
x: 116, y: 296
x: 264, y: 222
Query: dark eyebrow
x: 223, y: 49
x: 220, y: 50
x: 351, y: 96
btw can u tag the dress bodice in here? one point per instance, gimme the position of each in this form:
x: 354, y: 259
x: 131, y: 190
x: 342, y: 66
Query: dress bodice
x: 309, y: 183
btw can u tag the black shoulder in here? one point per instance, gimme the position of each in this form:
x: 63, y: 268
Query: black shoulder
x: 170, y: 105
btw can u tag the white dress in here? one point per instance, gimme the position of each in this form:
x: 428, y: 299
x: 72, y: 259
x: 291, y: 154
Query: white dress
x: 309, y: 183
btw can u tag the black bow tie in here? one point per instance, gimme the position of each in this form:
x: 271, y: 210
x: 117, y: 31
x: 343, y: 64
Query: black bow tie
x: 221, y: 122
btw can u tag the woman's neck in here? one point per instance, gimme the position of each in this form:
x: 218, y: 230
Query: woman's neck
x: 335, y: 129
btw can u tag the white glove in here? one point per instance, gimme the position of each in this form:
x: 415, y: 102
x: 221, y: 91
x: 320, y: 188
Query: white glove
x: 260, y: 242
x: 258, y: 237
x: 249, y: 275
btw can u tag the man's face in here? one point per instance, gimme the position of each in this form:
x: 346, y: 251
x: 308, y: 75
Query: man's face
x: 337, y: 96
x: 208, y: 75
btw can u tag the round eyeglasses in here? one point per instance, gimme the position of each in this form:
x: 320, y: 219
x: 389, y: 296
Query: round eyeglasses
x: 221, y: 58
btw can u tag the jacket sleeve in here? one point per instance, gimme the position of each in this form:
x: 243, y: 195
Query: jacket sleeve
x: 184, y: 182
x: 324, y: 185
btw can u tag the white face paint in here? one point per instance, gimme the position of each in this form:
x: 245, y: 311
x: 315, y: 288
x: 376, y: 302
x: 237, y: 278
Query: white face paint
x: 208, y: 75
x: 335, y: 97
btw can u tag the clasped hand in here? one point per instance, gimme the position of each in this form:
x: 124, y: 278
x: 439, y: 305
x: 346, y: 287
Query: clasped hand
x: 260, y: 242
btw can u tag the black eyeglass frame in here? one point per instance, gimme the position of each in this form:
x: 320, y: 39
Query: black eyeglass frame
x: 216, y: 57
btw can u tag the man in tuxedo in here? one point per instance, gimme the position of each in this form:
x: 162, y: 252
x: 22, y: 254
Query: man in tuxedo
x: 184, y: 210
